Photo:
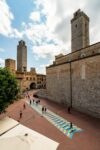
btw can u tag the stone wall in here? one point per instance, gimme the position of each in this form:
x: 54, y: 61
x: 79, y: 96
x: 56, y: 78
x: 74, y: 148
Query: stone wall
x: 85, y: 84
x: 58, y: 83
x: 83, y: 53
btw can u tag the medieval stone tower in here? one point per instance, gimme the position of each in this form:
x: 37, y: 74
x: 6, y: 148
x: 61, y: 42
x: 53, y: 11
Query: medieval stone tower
x: 10, y: 64
x: 79, y: 31
x: 22, y: 57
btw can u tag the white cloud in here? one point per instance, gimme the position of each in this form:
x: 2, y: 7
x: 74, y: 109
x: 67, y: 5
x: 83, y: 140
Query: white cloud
x: 48, y: 51
x: 16, y: 34
x: 58, y: 28
x: 44, y: 43
x: 55, y: 29
x: 2, y: 62
x: 60, y: 12
x: 6, y: 18
x: 35, y: 32
x: 41, y: 69
x: 35, y: 16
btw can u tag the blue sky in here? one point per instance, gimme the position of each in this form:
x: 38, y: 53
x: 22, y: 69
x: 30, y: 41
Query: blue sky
x: 45, y: 27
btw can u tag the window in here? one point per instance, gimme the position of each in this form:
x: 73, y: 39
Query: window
x: 24, y: 69
x: 76, y: 25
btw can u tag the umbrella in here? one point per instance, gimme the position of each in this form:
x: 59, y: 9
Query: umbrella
x: 23, y: 142
x: 20, y: 137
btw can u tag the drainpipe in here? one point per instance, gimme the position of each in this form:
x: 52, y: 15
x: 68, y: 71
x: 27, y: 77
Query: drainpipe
x: 70, y: 84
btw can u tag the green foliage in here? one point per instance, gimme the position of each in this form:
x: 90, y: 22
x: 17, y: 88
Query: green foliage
x: 8, y: 88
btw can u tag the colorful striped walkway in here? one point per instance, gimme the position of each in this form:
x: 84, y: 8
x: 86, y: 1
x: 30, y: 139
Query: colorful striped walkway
x: 62, y: 124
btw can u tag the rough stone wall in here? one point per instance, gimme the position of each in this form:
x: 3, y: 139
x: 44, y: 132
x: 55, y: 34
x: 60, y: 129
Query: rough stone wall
x: 85, y: 84
x: 58, y: 83
x: 83, y: 53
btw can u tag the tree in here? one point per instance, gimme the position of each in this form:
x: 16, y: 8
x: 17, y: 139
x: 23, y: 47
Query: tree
x: 8, y: 88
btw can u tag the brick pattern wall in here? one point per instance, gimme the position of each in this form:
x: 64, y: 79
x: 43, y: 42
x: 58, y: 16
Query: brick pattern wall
x: 58, y: 84
x: 85, y: 84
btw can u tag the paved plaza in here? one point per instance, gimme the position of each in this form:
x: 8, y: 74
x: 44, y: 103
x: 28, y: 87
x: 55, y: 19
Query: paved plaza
x: 58, y: 121
x: 55, y: 124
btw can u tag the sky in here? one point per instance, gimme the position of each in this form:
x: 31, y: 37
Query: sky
x: 45, y: 27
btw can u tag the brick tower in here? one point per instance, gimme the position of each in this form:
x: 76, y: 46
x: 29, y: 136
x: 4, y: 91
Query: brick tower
x: 79, y: 31
x: 22, y: 57
x: 10, y: 64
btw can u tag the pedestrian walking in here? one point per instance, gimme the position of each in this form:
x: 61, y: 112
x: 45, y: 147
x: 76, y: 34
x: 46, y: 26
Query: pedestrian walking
x: 39, y: 101
x: 69, y: 110
x: 45, y: 109
x: 42, y: 109
x: 71, y: 125
x: 24, y: 106
x: 20, y: 114
x: 33, y: 101
x: 30, y: 102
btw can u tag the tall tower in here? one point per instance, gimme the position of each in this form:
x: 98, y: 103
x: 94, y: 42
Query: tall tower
x: 79, y: 30
x: 22, y: 57
x: 10, y: 64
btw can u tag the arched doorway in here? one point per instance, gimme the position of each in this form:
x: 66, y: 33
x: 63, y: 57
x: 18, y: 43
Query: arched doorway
x: 32, y: 85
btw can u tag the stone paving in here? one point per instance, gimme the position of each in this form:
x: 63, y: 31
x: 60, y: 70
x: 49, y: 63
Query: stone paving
x: 88, y: 139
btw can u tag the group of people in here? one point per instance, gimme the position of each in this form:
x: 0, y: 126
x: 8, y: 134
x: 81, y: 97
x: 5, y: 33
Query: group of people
x: 34, y: 101
x: 44, y: 109
x: 37, y: 101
